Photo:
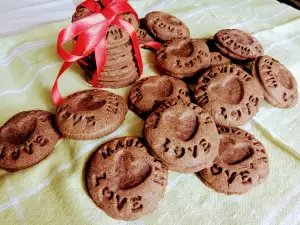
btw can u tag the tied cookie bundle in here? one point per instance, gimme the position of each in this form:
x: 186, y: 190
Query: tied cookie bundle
x: 105, y: 44
x: 185, y: 130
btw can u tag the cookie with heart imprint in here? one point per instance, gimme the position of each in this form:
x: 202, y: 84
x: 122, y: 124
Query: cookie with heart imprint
x: 149, y: 92
x: 26, y: 139
x: 183, y: 58
x: 238, y: 44
x: 279, y: 84
x: 242, y: 163
x: 124, y: 180
x: 229, y: 94
x: 182, y: 135
x: 90, y: 114
x: 165, y: 27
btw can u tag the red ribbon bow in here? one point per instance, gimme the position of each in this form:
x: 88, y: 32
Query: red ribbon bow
x: 91, y: 33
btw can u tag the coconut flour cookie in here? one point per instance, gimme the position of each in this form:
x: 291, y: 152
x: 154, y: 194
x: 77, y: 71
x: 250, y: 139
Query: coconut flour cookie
x: 165, y: 27
x: 90, y: 114
x: 229, y: 94
x: 242, y: 163
x: 279, y: 84
x: 237, y: 44
x: 182, y: 135
x: 124, y: 180
x: 26, y: 139
x: 183, y: 58
x: 149, y: 92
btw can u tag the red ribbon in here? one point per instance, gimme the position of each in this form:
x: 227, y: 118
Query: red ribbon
x: 91, y: 33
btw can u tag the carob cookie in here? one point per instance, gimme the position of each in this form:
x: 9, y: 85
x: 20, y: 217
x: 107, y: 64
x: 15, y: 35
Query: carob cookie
x: 183, y: 58
x: 165, y: 27
x: 26, y: 139
x: 90, y: 114
x: 182, y: 135
x: 237, y: 44
x: 124, y: 180
x: 217, y: 59
x: 279, y: 84
x: 242, y: 163
x: 149, y: 92
x: 229, y: 94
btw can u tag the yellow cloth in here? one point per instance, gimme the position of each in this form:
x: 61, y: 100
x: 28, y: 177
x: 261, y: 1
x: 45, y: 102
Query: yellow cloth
x: 53, y: 191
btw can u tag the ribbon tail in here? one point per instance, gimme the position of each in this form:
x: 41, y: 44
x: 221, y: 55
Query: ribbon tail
x: 56, y: 96
x: 135, y: 43
x: 152, y: 45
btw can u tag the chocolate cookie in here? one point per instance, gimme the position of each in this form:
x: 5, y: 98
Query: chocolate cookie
x: 238, y: 44
x: 183, y: 58
x: 149, y: 92
x: 242, y: 163
x: 90, y: 114
x: 182, y: 135
x: 229, y: 94
x: 130, y: 18
x: 124, y: 180
x: 279, y: 84
x: 143, y: 36
x: 26, y: 139
x: 116, y: 36
x: 166, y: 27
x: 217, y: 59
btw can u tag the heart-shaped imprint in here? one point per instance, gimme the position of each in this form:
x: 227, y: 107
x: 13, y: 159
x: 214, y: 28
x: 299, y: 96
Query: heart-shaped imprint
x: 19, y: 132
x: 234, y: 151
x: 89, y: 103
x: 131, y: 171
x: 185, y: 49
x: 230, y: 91
x: 161, y: 88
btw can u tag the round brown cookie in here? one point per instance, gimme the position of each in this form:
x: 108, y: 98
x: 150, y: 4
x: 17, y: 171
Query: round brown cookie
x: 229, y: 94
x: 183, y: 58
x: 143, y: 36
x: 182, y: 135
x: 130, y: 18
x: 240, y: 44
x: 279, y: 84
x: 230, y: 54
x: 217, y: 59
x: 149, y: 92
x: 90, y: 114
x: 124, y: 180
x: 26, y: 139
x: 241, y: 164
x: 166, y: 27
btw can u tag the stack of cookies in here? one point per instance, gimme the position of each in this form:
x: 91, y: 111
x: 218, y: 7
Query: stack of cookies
x: 120, y: 69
